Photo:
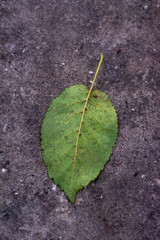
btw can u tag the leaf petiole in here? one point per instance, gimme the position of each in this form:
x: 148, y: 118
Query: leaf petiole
x: 95, y: 76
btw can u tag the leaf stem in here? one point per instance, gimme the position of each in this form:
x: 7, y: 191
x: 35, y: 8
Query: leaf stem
x: 95, y: 76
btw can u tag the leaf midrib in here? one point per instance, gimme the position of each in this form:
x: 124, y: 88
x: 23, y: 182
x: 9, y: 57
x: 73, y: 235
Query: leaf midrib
x: 83, y: 112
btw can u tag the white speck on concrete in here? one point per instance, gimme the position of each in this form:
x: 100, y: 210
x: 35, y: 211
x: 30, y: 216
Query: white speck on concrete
x: 22, y: 92
x: 4, y: 128
x: 12, y: 46
x: 133, y: 109
x: 145, y: 7
x: 62, y: 199
x: 157, y: 181
x: 79, y: 200
x: 143, y: 176
x: 6, y: 69
x: 116, y: 67
x: 4, y: 170
x: 63, y: 64
x: 91, y: 81
x: 54, y: 188
x: 16, y: 193
x: 90, y: 72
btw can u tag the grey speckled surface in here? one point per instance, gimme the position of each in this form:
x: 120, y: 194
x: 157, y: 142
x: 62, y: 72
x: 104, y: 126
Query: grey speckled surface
x: 46, y: 46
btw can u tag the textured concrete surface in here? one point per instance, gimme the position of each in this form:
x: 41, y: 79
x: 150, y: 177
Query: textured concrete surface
x: 46, y: 46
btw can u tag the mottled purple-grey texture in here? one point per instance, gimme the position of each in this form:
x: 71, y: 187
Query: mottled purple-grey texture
x: 46, y: 46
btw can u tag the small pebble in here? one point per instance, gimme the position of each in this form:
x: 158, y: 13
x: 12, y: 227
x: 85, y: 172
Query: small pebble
x: 4, y: 170
x: 158, y: 181
x: 90, y: 72
x: 133, y: 109
x: 145, y: 7
x: 54, y: 187
x: 63, y: 64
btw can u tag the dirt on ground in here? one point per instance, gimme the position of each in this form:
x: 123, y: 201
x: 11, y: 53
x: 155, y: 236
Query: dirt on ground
x: 46, y: 46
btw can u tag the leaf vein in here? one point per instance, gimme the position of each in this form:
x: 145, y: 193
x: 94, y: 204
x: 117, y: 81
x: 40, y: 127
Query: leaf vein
x: 57, y: 143
x: 61, y: 125
x: 85, y: 105
x: 96, y: 105
x: 95, y: 118
x: 70, y: 105
x: 91, y: 132
x: 60, y: 157
x: 89, y: 149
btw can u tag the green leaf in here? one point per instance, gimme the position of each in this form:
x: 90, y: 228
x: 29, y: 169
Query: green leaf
x: 78, y: 133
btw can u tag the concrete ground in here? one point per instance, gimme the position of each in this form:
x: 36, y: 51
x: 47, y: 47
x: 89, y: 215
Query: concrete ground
x: 46, y: 46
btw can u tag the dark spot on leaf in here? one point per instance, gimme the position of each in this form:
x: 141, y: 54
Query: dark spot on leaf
x: 86, y: 109
x: 95, y: 96
x: 80, y: 134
